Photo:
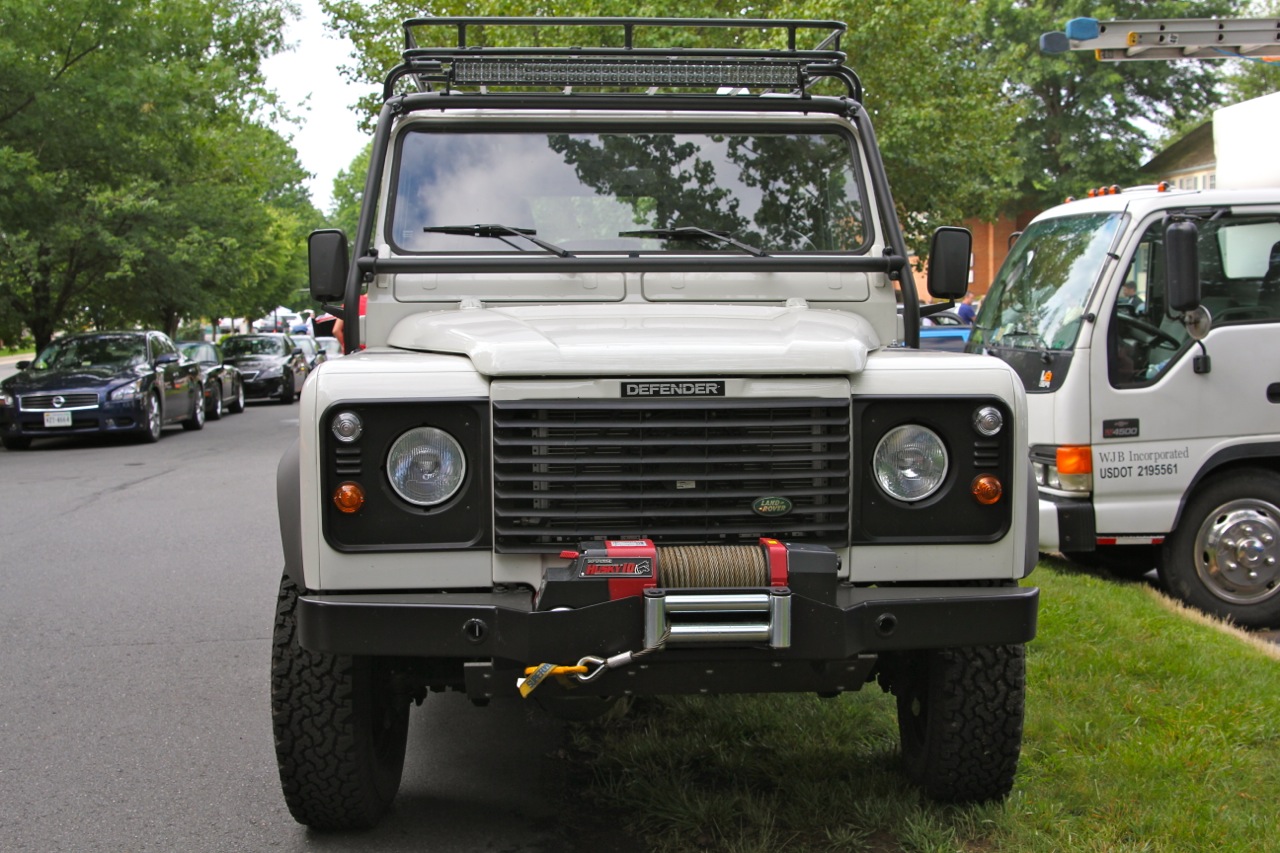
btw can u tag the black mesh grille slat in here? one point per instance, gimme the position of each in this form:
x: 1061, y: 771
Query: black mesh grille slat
x: 675, y: 471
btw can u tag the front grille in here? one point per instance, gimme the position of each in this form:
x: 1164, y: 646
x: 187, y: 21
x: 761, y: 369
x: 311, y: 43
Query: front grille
x: 44, y: 402
x: 676, y: 472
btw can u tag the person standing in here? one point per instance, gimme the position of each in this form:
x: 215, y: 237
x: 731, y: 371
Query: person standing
x: 966, y: 311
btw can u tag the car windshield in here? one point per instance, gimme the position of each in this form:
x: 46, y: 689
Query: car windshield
x: 1038, y: 298
x: 102, y: 351
x: 627, y: 190
x: 253, y: 346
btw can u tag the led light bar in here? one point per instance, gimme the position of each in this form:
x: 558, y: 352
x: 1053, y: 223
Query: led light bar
x: 676, y: 73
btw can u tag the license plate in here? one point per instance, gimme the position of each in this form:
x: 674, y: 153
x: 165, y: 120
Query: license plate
x: 57, y: 419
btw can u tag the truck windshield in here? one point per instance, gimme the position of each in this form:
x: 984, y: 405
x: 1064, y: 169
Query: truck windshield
x: 1039, y: 296
x: 635, y: 190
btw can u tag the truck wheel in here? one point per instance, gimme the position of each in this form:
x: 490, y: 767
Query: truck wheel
x: 1129, y: 562
x: 960, y: 719
x: 1224, y: 556
x: 340, y: 729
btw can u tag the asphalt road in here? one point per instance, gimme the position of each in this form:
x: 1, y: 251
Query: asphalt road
x: 137, y: 593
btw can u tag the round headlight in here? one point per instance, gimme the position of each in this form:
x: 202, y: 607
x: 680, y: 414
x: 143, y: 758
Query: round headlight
x: 426, y: 466
x: 910, y: 462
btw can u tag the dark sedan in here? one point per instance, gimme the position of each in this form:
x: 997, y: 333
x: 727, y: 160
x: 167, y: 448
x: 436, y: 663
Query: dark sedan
x: 272, y: 365
x: 223, y: 384
x: 101, y: 382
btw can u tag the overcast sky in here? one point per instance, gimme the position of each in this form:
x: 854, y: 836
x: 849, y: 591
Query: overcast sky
x: 326, y: 138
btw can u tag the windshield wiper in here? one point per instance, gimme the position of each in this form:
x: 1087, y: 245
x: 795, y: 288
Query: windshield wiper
x: 694, y: 232
x: 500, y: 232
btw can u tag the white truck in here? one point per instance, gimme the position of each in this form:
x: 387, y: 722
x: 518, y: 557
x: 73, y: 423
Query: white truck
x: 1145, y: 324
x: 626, y: 415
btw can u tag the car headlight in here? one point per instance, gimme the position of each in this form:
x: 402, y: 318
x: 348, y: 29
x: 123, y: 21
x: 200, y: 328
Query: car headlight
x: 271, y: 372
x: 426, y: 466
x: 910, y: 462
x: 6, y: 399
x: 128, y: 391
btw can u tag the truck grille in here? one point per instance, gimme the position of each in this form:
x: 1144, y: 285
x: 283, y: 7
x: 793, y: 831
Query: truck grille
x: 676, y: 472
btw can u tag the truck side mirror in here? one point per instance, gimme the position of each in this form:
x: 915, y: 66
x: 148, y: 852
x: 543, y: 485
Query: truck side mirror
x: 1182, y: 265
x: 328, y: 264
x: 949, y: 254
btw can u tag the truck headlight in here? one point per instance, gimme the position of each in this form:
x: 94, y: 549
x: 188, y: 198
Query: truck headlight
x: 426, y: 466
x: 910, y: 462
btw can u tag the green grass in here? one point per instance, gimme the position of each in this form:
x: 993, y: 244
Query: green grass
x: 1145, y: 731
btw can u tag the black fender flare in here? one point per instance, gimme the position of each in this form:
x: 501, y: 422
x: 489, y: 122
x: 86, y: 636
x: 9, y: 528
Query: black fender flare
x: 289, y: 508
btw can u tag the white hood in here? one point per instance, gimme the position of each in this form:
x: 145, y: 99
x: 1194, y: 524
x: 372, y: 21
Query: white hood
x: 637, y: 338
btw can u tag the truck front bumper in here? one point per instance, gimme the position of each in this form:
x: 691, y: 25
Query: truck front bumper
x: 1066, y: 524
x: 831, y: 647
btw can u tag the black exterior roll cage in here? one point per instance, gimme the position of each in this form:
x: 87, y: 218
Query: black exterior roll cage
x: 432, y: 71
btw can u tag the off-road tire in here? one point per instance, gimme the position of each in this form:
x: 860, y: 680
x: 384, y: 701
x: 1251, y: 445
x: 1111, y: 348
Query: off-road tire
x: 960, y: 719
x: 237, y: 400
x: 16, y: 442
x: 213, y: 411
x: 1128, y: 562
x: 195, y: 420
x: 340, y: 729
x: 1224, y: 555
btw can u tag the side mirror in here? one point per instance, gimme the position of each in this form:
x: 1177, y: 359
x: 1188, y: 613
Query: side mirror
x: 23, y: 365
x: 328, y: 264
x: 949, y: 254
x: 167, y: 358
x: 1182, y: 265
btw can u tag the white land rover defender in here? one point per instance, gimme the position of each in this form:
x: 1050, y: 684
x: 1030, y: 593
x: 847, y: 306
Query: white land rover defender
x: 634, y: 411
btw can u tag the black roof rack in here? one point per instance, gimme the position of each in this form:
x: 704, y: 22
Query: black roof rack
x: 624, y: 64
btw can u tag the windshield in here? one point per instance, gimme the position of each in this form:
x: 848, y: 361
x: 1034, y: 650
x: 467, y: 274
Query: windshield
x: 253, y: 346
x: 101, y: 351
x: 1038, y: 298
x: 641, y: 190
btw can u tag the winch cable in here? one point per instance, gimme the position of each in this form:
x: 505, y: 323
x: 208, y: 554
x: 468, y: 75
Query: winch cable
x: 678, y: 566
x: 686, y: 566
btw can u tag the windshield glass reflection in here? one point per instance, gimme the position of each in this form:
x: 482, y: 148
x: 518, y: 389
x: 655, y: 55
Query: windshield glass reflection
x: 1038, y: 298
x: 100, y: 351
x: 628, y: 191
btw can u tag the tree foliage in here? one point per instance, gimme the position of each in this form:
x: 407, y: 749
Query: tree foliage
x: 1088, y: 122
x: 136, y: 185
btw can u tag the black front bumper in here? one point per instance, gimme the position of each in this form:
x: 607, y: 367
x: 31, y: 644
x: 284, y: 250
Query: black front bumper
x: 832, y: 646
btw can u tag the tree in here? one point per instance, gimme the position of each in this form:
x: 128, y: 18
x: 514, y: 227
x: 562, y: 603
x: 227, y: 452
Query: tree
x: 1088, y: 122
x: 123, y: 196
x: 928, y: 87
x: 348, y: 192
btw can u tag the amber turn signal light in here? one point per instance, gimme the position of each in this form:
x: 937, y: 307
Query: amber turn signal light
x: 348, y: 497
x: 986, y: 489
x: 1072, y: 459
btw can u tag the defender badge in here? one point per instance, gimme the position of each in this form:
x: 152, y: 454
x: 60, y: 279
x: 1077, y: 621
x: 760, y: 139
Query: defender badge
x: 771, y: 506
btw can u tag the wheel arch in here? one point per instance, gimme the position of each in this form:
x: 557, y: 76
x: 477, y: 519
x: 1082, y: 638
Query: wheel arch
x: 1263, y: 455
x: 289, y: 508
